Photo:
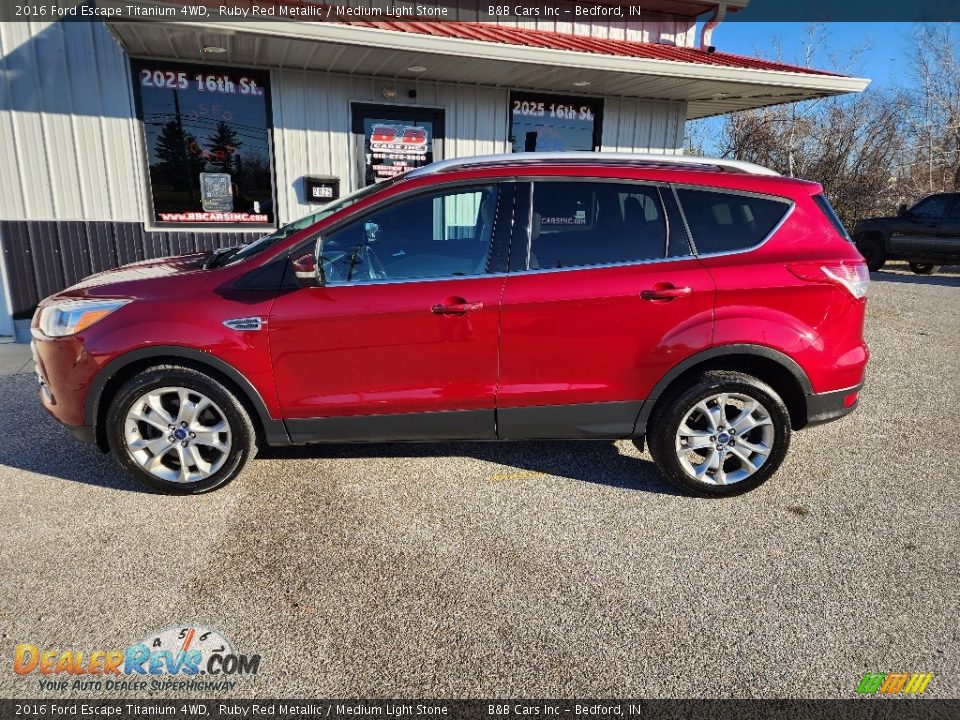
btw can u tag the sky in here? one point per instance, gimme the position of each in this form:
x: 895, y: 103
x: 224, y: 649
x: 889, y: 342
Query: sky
x: 885, y: 59
x: 880, y: 51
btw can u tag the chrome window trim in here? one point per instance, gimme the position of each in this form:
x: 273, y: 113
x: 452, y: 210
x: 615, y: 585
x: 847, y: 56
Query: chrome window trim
x: 630, y: 263
x: 405, y: 281
x: 633, y: 263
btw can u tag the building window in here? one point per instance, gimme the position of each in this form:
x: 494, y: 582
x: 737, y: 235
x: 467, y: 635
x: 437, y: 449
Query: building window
x: 207, y: 132
x: 543, y: 123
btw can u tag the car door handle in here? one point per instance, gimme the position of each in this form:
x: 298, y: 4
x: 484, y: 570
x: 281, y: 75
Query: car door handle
x: 455, y: 306
x: 665, y: 291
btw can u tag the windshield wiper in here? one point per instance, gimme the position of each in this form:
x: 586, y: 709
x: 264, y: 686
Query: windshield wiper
x: 219, y: 256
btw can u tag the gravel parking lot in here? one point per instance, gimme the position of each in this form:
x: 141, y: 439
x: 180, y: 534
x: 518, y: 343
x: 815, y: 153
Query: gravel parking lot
x: 529, y: 569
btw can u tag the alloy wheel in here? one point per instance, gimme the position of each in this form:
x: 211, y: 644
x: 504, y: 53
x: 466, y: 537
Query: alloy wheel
x: 177, y: 434
x: 724, y: 439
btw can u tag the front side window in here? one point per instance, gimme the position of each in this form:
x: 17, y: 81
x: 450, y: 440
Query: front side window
x: 208, y: 143
x: 595, y: 223
x: 439, y: 235
x: 726, y: 222
x: 932, y: 208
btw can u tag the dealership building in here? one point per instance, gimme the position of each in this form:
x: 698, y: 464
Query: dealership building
x: 125, y: 140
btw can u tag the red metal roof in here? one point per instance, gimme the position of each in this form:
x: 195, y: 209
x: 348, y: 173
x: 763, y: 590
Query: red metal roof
x: 508, y: 35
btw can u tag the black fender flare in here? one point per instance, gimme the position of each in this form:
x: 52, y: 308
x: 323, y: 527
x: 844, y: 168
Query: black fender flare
x: 274, y: 431
x: 719, y: 351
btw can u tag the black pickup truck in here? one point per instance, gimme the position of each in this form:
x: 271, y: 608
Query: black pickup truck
x: 926, y: 235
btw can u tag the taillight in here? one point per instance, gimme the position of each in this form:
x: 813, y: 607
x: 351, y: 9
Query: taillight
x: 852, y: 276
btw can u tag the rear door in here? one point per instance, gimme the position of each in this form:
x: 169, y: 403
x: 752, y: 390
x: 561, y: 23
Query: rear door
x: 604, y: 296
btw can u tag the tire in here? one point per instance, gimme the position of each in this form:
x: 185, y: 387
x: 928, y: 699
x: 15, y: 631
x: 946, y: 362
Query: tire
x: 153, y: 398
x: 768, y: 439
x: 923, y: 268
x: 873, y: 252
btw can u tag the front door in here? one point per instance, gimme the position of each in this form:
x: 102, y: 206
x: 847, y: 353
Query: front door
x: 604, y: 297
x: 400, y: 340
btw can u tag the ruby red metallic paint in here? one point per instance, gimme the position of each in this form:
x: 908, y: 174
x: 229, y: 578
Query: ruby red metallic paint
x: 541, y: 338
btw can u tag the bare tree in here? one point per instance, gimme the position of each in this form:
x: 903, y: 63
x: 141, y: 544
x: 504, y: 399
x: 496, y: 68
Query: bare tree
x: 931, y: 161
x: 869, y: 151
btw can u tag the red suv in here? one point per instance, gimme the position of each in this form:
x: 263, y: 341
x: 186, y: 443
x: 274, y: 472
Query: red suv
x: 707, y: 305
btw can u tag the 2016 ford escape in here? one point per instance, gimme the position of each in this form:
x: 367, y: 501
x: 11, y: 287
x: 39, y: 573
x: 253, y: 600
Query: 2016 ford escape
x: 709, y: 306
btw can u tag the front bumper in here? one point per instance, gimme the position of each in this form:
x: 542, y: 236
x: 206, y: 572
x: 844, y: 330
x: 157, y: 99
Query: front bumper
x: 826, y: 407
x: 64, y: 371
x: 64, y: 398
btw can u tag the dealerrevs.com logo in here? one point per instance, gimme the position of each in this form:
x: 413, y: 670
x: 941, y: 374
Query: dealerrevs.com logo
x: 178, y: 658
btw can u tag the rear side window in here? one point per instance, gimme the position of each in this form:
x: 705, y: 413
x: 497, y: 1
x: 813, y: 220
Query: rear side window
x: 827, y: 209
x: 725, y: 222
x: 582, y: 224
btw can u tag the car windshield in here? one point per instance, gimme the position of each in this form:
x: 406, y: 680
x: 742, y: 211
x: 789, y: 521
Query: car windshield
x: 268, y: 241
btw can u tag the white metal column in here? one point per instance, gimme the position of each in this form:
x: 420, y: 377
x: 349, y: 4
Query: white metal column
x: 6, y: 320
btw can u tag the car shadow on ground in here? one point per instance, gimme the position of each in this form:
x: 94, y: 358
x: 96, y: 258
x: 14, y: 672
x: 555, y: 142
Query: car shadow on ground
x: 36, y: 443
x: 598, y: 462
x: 947, y: 277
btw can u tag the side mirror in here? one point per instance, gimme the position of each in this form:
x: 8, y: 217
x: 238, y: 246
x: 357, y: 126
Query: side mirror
x: 902, y: 210
x: 305, y: 269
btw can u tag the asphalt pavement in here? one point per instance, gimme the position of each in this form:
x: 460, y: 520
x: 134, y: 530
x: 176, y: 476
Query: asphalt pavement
x: 521, y: 570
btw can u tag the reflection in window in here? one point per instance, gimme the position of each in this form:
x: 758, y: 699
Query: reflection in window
x: 208, y: 144
x: 932, y: 208
x: 581, y: 224
x: 724, y: 222
x: 430, y: 236
x: 543, y: 123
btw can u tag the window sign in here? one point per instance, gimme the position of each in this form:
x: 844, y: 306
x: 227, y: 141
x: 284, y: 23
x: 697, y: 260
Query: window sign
x: 216, y: 192
x: 393, y: 139
x: 544, y: 123
x: 395, y: 147
x: 208, y: 143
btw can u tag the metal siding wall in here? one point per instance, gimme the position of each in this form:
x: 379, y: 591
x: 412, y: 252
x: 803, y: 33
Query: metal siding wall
x: 42, y: 257
x: 633, y: 125
x: 307, y: 105
x: 66, y: 104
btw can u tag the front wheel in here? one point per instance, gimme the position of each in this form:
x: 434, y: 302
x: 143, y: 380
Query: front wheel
x: 179, y: 431
x: 724, y: 435
x: 923, y: 268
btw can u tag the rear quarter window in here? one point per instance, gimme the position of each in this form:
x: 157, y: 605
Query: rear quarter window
x: 726, y: 222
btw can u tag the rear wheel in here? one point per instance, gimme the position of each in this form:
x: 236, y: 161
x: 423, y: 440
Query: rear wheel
x: 871, y: 247
x: 179, y: 431
x: 724, y: 435
x: 923, y: 268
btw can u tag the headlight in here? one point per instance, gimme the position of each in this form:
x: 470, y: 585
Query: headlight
x: 72, y: 316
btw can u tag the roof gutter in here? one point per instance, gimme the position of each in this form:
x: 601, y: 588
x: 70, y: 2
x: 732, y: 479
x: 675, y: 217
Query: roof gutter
x: 706, y: 32
x: 324, y: 32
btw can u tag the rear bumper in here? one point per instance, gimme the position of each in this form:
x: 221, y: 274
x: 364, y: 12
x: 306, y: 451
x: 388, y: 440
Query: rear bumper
x: 826, y: 407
